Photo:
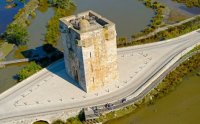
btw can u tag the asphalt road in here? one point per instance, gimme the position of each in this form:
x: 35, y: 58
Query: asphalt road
x: 180, y: 43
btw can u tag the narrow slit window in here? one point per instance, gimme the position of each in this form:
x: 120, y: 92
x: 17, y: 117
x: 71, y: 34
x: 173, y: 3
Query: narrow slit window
x: 91, y: 67
x: 90, y: 55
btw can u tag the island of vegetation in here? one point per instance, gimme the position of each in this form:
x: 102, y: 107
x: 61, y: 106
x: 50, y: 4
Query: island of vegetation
x: 10, y: 4
x: 189, y: 3
x: 156, y: 22
x: 62, y: 8
x: 17, y: 34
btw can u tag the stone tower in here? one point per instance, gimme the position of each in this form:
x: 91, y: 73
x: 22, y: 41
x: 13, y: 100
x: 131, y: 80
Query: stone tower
x: 90, y: 52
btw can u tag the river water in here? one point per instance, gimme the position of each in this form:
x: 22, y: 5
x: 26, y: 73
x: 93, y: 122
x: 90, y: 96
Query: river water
x: 178, y: 107
x: 36, y: 32
x: 6, y: 15
x: 180, y: 7
x: 130, y: 17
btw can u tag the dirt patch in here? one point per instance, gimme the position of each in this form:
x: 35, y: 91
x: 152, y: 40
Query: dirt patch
x: 176, y: 16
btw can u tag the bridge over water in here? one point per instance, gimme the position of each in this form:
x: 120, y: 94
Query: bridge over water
x: 3, y: 63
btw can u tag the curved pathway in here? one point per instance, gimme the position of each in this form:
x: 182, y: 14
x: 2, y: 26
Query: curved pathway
x: 51, y: 94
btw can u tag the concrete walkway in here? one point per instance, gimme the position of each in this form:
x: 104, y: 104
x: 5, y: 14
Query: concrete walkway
x: 51, y: 94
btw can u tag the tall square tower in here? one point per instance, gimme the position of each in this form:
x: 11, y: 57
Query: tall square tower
x: 90, y: 51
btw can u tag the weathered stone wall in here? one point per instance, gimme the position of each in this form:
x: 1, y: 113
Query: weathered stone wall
x: 90, y: 56
x: 73, y: 56
x: 100, y: 58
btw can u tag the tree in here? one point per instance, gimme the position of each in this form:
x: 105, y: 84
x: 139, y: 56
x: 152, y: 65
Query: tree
x: 28, y: 70
x: 58, y: 122
x: 64, y: 4
x: 17, y: 34
x: 43, y: 5
x: 148, y: 3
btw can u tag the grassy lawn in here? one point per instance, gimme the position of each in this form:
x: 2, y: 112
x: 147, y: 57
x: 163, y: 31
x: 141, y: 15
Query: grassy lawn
x: 6, y: 48
x: 176, y: 16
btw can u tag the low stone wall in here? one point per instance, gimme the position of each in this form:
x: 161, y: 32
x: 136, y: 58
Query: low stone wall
x: 50, y: 117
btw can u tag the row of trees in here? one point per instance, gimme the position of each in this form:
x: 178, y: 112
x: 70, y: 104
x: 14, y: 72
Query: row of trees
x: 189, y: 3
x: 64, y: 4
x: 52, y: 35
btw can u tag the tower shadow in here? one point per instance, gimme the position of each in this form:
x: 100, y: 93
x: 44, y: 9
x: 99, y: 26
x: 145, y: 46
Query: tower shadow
x: 51, y: 58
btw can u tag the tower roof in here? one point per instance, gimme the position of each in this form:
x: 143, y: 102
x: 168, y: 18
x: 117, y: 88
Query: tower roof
x: 86, y: 22
x: 84, y: 25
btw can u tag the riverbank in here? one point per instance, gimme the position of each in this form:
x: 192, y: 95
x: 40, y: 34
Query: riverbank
x: 16, y: 32
x: 156, y: 32
x: 28, y: 10
x: 182, y: 23
x: 5, y: 49
x: 6, y: 15
x: 167, y: 32
x: 52, y: 36
x: 179, y: 106
x: 156, y: 22
x: 189, y: 3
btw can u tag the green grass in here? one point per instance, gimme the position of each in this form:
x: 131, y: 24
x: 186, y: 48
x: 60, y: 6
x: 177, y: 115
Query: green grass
x: 6, y: 48
x: 197, y: 48
x: 18, y: 53
x: 176, y: 16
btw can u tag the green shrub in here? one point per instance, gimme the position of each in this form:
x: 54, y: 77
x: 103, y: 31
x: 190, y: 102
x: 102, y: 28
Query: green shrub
x: 16, y: 34
x: 53, y: 33
x: 28, y: 70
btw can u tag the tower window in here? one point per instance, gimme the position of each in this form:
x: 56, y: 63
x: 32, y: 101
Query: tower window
x: 90, y: 55
x: 91, y: 67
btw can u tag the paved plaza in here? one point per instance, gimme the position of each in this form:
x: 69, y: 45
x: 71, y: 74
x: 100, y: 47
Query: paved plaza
x: 55, y: 87
x: 51, y: 89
